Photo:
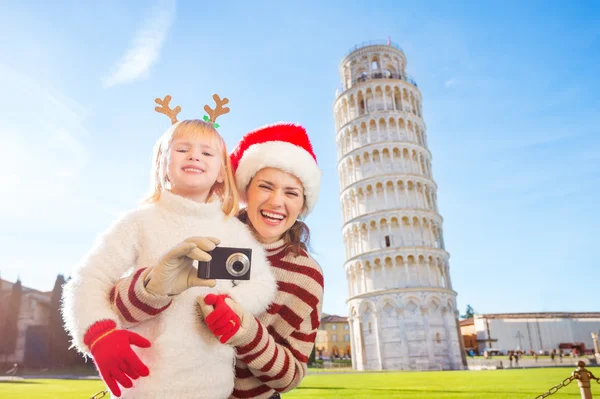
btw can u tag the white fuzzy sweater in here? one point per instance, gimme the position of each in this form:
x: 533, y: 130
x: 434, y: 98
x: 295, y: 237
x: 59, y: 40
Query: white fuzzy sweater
x: 185, y: 359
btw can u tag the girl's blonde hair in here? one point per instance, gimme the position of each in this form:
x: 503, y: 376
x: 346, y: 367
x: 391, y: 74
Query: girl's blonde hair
x: 194, y: 128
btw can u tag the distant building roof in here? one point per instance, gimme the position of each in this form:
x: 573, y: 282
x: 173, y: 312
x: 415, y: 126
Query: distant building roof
x: 6, y: 289
x: 334, y: 319
x: 542, y: 315
x: 467, y: 322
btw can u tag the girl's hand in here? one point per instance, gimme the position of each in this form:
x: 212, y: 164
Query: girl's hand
x: 113, y: 356
x: 175, y: 271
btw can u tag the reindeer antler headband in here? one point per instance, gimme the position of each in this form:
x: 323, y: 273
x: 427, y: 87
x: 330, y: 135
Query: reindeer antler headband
x: 212, y: 114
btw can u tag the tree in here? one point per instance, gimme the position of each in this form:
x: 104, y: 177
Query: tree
x: 10, y: 329
x: 2, y: 311
x: 312, y: 358
x: 469, y: 313
x: 58, y: 338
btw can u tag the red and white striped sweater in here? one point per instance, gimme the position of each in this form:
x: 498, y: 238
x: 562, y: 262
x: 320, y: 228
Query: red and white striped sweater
x: 273, y: 354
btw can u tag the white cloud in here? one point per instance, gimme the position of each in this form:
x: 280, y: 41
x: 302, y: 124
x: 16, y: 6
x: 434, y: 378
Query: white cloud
x: 450, y: 83
x: 145, y: 46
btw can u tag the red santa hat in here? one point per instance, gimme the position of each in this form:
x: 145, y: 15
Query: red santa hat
x: 285, y: 146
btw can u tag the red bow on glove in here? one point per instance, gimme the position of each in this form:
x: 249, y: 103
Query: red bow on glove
x: 114, y: 358
x: 223, y: 321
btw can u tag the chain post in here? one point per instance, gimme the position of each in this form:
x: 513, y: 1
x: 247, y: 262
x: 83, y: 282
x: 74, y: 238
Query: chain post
x: 584, y: 379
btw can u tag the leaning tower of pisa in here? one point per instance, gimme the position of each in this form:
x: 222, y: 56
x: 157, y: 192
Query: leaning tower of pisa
x: 401, y: 304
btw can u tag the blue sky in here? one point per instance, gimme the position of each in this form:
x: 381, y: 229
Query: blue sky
x: 510, y: 99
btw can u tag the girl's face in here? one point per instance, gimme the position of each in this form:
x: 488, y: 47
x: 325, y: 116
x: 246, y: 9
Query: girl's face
x: 275, y: 200
x: 193, y: 167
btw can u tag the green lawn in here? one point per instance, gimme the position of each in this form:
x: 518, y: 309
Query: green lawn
x: 517, y: 384
x: 50, y: 389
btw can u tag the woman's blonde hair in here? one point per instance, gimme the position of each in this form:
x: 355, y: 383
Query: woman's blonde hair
x: 194, y: 128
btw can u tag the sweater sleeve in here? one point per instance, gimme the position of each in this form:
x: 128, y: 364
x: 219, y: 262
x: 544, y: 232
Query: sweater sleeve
x: 132, y: 303
x: 275, y: 354
x: 85, y: 297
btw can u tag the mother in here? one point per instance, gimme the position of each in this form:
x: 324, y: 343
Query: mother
x: 277, y: 174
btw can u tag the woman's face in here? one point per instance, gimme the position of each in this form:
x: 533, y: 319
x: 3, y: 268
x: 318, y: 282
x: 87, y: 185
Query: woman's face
x: 275, y: 200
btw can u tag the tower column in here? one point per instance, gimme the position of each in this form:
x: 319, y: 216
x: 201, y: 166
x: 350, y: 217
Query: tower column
x: 351, y: 322
x: 364, y: 279
x: 406, y: 272
x: 429, y: 277
x: 378, y: 341
x: 425, y: 315
x: 401, y: 228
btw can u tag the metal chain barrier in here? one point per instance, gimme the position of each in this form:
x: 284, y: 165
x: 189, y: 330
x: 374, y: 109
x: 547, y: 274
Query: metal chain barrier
x: 555, y: 388
x: 99, y: 395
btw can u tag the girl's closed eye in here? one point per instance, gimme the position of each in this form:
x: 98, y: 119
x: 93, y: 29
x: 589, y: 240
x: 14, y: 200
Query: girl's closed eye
x: 207, y: 154
x: 292, y: 193
x: 182, y: 150
x: 264, y: 186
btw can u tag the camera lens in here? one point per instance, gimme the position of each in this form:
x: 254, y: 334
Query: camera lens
x: 237, y: 264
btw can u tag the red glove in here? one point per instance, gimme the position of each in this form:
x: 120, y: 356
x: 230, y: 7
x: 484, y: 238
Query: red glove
x: 114, y: 358
x: 223, y: 321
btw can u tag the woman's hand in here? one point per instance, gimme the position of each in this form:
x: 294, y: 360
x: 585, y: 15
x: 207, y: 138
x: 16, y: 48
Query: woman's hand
x: 224, y: 317
x: 175, y: 271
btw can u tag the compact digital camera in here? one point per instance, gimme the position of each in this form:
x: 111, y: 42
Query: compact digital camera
x: 227, y: 263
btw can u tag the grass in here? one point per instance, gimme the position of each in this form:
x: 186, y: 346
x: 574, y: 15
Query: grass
x: 517, y: 384
x: 513, y: 384
x: 50, y: 389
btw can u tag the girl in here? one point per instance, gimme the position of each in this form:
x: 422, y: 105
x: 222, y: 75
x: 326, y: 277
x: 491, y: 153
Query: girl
x: 194, y: 196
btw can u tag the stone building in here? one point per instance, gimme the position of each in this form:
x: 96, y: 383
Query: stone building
x: 401, y: 303
x: 542, y: 331
x: 32, y: 325
x: 333, y: 337
x: 469, y: 335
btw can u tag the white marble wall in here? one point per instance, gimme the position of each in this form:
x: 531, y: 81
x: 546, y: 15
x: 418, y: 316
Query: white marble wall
x: 411, y: 331
x: 536, y: 333
x: 401, y: 302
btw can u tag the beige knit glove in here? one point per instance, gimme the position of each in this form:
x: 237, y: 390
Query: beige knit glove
x: 175, y: 271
